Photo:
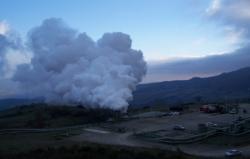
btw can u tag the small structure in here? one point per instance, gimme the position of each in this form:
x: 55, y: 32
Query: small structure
x: 176, y: 108
x: 151, y: 114
x: 213, y: 108
x: 208, y: 109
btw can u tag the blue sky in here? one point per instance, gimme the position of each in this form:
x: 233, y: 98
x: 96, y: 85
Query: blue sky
x: 180, y: 39
x: 162, y: 29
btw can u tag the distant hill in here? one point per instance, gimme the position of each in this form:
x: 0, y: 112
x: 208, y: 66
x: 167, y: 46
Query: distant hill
x: 227, y: 86
x: 12, y: 102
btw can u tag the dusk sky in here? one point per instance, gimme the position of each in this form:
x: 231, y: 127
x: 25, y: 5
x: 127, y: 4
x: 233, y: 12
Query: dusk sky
x: 179, y: 39
x: 161, y: 29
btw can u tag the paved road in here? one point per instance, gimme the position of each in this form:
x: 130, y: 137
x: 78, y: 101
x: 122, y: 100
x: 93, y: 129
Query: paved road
x: 127, y: 139
x: 190, y: 121
x: 212, y: 151
x: 98, y: 135
x: 9, y: 131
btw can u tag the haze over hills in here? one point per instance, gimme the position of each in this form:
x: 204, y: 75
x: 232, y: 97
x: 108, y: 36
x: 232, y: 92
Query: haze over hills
x: 227, y: 86
x: 12, y: 102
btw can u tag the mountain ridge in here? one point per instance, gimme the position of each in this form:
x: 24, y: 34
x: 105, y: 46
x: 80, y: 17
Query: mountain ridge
x: 233, y: 85
x: 226, y: 86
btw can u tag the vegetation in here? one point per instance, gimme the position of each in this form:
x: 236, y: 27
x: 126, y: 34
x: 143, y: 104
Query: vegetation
x: 56, y: 145
x: 224, y: 140
x: 93, y: 151
x: 228, y: 87
x: 44, y: 116
x: 53, y: 145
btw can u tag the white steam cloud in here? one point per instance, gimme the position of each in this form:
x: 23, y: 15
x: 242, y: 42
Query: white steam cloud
x: 68, y: 67
x: 4, y: 28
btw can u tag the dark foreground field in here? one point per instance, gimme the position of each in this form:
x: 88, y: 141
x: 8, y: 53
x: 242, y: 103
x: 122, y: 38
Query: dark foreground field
x: 55, y: 144
x: 43, y: 132
x: 45, y: 116
x: 94, y: 151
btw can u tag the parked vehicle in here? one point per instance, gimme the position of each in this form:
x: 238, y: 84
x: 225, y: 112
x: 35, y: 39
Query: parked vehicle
x: 233, y: 111
x: 179, y: 127
x: 174, y: 113
x: 211, y: 124
x: 208, y: 109
x: 233, y: 153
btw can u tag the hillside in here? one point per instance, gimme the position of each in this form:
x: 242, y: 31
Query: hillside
x: 12, y: 102
x: 225, y: 87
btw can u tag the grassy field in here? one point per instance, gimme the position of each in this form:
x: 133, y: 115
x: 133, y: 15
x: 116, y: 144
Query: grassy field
x: 224, y: 140
x: 22, y: 142
x: 94, y: 151
x: 55, y: 145
x: 58, y: 144
x: 43, y: 116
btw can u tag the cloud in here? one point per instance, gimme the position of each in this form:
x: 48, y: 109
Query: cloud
x: 67, y: 67
x: 8, y: 89
x: 70, y: 68
x: 12, y: 51
x: 199, y: 67
x: 232, y: 13
x: 235, y: 18
x: 214, y: 7
x: 230, y: 9
x: 5, y: 44
x: 235, y: 36
x: 4, y: 27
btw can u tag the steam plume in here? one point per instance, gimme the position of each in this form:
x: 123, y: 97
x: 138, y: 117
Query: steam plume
x: 68, y: 67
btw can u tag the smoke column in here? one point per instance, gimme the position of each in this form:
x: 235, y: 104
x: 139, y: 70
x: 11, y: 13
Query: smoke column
x: 70, y: 68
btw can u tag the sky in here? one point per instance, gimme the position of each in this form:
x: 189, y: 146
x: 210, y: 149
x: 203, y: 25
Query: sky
x: 180, y: 39
x: 162, y: 29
